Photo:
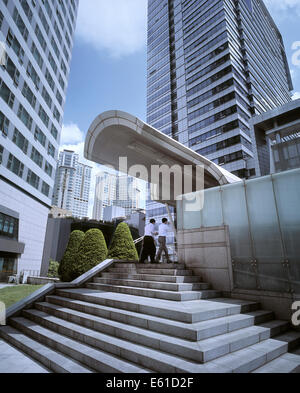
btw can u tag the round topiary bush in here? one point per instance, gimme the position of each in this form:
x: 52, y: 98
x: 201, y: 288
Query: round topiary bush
x: 91, y: 252
x: 122, y: 245
x: 66, y: 268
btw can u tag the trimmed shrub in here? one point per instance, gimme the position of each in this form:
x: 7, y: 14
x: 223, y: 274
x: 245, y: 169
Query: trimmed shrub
x: 67, y: 265
x: 91, y: 252
x: 122, y: 245
x: 53, y: 269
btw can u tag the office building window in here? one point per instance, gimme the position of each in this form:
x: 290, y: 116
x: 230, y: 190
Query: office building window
x: 45, y: 189
x: 12, y: 71
x: 36, y: 54
x: 26, y: 9
x: 9, y: 226
x: 24, y: 116
x: 6, y: 94
x: 44, y: 117
x: 48, y: 169
x: 47, y: 98
x: 4, y: 124
x: 40, y: 37
x: 15, y: 166
x: 20, y: 24
x: 20, y: 141
x: 36, y: 157
x: 51, y: 150
x: 33, y: 75
x: 54, y: 132
x: 28, y: 94
x: 33, y: 179
x: 1, y: 154
x: 39, y: 136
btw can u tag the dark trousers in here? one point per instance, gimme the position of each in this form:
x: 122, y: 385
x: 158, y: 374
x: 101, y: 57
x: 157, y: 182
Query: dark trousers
x: 149, y: 249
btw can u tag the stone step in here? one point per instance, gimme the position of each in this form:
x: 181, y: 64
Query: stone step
x: 188, y: 331
x: 292, y: 338
x: 261, y: 316
x: 96, y: 359
x: 249, y: 306
x: 144, y: 335
x: 284, y: 364
x: 117, y: 336
x: 152, y: 284
x: 153, y: 277
x: 276, y: 327
x: 147, y: 270
x: 156, y: 293
x: 123, y: 265
x: 188, y: 312
x: 251, y: 358
x: 51, y: 359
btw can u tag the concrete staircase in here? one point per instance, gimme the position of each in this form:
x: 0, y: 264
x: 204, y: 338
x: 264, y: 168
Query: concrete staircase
x: 152, y: 318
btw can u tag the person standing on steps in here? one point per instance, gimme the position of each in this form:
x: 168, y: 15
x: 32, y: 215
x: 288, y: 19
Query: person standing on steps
x: 149, y: 248
x: 164, y: 228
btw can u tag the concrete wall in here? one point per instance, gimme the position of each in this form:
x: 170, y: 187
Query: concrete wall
x: 56, y: 240
x: 41, y: 280
x: 32, y: 225
x: 207, y: 252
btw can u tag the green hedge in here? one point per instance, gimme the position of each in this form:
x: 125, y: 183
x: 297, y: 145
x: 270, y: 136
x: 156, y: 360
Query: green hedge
x: 66, y: 268
x: 91, y: 252
x: 53, y: 269
x: 122, y: 245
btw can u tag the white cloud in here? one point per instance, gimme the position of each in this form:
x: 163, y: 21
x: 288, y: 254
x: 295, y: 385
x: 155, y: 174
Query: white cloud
x: 296, y: 95
x: 117, y: 26
x: 283, y: 8
x: 71, y: 134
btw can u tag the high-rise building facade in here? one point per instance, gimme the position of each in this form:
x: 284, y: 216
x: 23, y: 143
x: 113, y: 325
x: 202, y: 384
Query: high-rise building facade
x: 105, y: 193
x: 82, y: 190
x: 212, y: 65
x: 117, y: 190
x: 37, y: 37
x: 72, y: 184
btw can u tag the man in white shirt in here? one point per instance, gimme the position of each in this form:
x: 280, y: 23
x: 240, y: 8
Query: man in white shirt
x: 162, y: 239
x: 149, y: 248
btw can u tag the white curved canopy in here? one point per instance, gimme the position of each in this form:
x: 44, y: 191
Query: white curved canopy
x: 116, y: 134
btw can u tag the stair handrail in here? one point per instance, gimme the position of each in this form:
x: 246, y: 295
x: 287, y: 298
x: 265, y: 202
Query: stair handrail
x: 139, y: 240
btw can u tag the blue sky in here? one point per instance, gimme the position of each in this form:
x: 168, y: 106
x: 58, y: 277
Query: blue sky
x: 108, y: 69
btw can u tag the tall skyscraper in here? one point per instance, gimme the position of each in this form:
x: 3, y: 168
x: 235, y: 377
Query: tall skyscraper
x: 38, y: 39
x: 72, y: 184
x: 105, y: 193
x: 117, y: 190
x: 212, y: 65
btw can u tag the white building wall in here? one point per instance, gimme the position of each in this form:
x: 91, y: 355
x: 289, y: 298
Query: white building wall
x: 32, y: 225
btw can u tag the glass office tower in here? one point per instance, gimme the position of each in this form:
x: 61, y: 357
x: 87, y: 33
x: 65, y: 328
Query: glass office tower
x: 37, y: 38
x: 212, y: 65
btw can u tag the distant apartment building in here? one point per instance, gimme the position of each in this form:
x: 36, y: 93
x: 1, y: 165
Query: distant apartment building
x: 105, y: 193
x: 72, y: 184
x: 117, y: 190
x: 36, y: 47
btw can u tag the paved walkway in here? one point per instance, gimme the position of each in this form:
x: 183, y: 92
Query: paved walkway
x: 14, y: 361
x: 2, y: 285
